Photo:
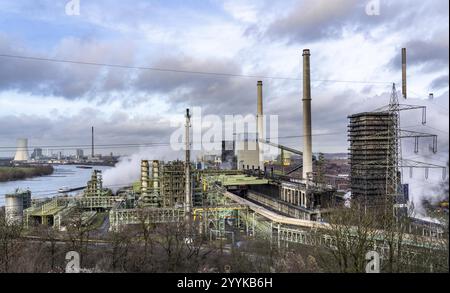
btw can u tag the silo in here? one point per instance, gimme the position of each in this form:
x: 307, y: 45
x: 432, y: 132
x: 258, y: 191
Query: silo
x: 14, y: 208
x: 22, y: 150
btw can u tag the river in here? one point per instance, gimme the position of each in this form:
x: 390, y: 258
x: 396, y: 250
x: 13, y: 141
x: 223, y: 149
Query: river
x: 47, y: 186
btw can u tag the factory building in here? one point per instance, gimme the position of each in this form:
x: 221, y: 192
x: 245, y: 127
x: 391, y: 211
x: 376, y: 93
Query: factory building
x: 173, y: 184
x: 166, y: 185
x: 248, y: 156
x: 37, y: 154
x: 370, y: 134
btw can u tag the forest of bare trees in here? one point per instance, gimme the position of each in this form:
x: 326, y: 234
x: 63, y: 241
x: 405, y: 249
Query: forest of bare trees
x: 178, y: 247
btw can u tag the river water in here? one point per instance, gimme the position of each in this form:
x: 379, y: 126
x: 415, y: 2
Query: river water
x: 47, y: 186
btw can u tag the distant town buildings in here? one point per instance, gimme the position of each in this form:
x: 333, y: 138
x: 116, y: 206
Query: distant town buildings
x: 37, y: 154
x: 80, y: 154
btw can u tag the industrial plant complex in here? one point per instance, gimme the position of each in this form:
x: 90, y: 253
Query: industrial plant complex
x: 238, y: 195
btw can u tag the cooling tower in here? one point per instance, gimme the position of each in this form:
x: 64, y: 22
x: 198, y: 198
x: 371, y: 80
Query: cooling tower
x: 22, y: 150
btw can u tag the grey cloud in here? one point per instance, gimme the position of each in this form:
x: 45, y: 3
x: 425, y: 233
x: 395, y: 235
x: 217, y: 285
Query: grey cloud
x: 431, y: 54
x: 440, y: 82
x: 311, y: 21
x: 70, y: 81
x: 214, y: 93
x: 160, y: 81
x: 73, y: 81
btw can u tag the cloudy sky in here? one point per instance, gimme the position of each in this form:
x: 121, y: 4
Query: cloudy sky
x: 355, y: 58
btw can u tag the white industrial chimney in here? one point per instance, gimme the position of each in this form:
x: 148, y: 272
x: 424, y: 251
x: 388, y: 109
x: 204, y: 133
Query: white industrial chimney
x: 22, y: 150
x: 307, y: 139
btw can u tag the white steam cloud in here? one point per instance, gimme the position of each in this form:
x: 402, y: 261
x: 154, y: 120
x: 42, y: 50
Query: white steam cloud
x: 420, y: 187
x: 127, y: 170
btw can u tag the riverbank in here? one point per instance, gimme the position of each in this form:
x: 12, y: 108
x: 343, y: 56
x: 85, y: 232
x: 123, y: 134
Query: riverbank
x: 20, y: 173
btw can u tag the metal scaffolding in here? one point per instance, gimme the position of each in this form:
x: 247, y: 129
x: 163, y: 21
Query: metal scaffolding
x: 376, y: 153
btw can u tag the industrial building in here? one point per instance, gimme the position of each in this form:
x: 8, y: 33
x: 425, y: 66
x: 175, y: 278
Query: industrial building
x: 37, y: 154
x: 248, y: 155
x: 251, y: 201
x: 370, y: 136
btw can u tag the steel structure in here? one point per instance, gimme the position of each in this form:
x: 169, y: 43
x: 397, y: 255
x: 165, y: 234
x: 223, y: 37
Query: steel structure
x: 376, y: 152
x: 95, y: 185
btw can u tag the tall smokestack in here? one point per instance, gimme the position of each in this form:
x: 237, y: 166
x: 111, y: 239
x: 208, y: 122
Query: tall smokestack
x: 404, y: 72
x: 260, y: 124
x: 92, y: 145
x: 307, y: 140
x: 188, y: 199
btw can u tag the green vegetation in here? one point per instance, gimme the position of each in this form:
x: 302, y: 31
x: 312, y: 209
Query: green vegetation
x: 19, y: 173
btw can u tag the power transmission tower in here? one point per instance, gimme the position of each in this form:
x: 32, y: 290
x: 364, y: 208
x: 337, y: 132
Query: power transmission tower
x: 393, y: 178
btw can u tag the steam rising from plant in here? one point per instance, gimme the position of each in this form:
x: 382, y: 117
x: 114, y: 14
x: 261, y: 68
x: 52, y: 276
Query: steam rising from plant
x: 127, y: 170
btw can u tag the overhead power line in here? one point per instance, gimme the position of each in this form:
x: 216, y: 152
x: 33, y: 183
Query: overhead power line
x: 134, y: 145
x: 219, y: 74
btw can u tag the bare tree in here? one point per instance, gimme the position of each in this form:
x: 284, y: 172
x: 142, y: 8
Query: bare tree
x: 182, y: 247
x: 78, y: 233
x: 119, y: 248
x: 10, y: 243
x: 146, y: 228
x: 351, y: 235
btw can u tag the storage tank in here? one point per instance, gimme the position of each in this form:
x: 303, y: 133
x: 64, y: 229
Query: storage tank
x: 15, y: 203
